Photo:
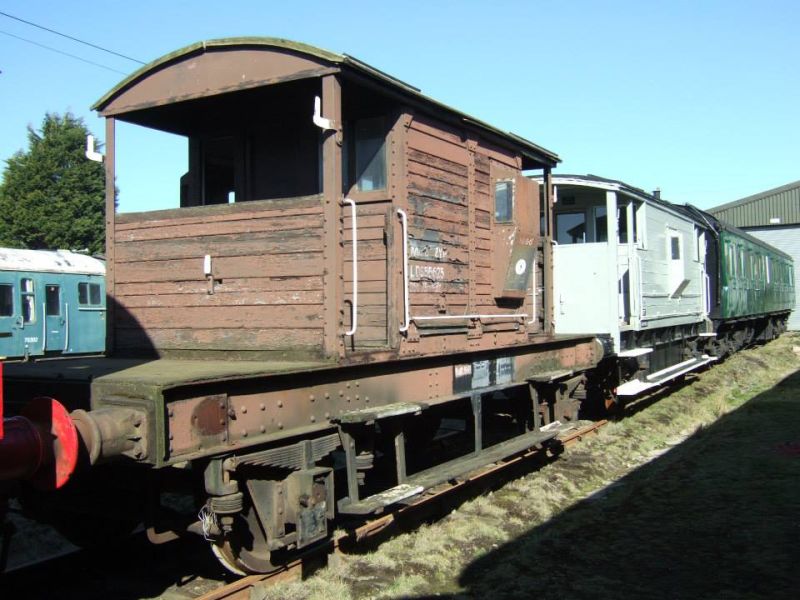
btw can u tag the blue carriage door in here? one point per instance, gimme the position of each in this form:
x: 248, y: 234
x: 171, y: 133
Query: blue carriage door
x: 9, y: 341
x: 30, y: 322
x: 55, y: 319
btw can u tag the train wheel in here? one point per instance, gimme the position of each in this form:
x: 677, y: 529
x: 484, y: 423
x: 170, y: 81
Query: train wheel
x: 245, y: 549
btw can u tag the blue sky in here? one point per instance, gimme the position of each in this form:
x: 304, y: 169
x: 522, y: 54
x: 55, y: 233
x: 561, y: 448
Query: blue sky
x: 699, y: 98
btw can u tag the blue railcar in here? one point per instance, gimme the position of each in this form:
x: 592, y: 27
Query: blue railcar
x: 51, y: 303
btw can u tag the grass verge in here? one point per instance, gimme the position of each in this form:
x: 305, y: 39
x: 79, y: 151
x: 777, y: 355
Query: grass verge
x: 695, y: 496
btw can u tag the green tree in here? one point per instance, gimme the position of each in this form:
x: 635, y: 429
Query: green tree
x: 52, y: 196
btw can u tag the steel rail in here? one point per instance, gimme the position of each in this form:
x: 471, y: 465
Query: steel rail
x: 293, y: 571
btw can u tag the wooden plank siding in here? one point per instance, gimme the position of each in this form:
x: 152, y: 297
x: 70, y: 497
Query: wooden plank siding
x: 372, y: 219
x: 267, y: 269
x: 446, y: 178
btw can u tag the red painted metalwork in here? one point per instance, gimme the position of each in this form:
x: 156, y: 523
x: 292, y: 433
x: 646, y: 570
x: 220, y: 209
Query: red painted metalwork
x: 41, y: 445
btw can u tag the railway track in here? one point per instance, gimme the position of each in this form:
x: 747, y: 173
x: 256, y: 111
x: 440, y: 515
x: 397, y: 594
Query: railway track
x: 308, y: 563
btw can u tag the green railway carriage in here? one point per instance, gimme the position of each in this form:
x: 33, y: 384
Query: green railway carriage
x: 755, y: 278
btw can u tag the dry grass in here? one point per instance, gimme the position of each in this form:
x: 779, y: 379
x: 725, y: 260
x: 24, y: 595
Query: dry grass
x: 669, y: 502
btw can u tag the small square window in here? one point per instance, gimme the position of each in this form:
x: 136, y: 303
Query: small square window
x: 370, y: 154
x: 94, y: 293
x: 503, y: 201
x: 52, y: 294
x: 6, y: 300
x: 83, y: 293
x: 675, y: 247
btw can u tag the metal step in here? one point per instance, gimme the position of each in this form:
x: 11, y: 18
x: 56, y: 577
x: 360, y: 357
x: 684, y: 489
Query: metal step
x: 366, y: 415
x: 634, y: 352
x: 636, y: 386
x: 419, y: 482
x: 551, y: 376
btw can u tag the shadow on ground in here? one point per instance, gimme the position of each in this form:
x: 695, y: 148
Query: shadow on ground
x: 717, y: 516
x: 131, y: 570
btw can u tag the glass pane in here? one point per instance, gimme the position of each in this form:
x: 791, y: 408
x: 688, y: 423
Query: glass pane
x: 6, y: 300
x: 28, y: 311
x: 52, y: 301
x: 675, y: 246
x: 503, y: 201
x: 94, y: 293
x: 622, y: 224
x: 370, y: 155
x: 571, y: 228
x: 27, y: 285
x: 600, y: 224
x: 83, y: 293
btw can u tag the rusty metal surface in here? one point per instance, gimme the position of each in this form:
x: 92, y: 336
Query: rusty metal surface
x: 265, y: 402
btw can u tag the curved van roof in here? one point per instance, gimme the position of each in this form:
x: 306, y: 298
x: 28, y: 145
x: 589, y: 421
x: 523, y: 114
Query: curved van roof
x: 50, y: 261
x: 221, y: 66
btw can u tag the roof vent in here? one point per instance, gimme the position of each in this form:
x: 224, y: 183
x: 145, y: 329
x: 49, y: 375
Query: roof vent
x: 657, y: 193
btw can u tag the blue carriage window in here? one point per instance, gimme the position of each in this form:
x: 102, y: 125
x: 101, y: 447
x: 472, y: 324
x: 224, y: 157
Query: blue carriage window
x: 52, y: 305
x: 28, y: 301
x: 6, y: 300
x: 89, y: 294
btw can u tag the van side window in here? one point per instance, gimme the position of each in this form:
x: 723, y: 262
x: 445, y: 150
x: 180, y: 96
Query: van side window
x: 28, y: 301
x: 6, y: 300
x: 503, y: 201
x: 370, y: 154
x: 89, y: 294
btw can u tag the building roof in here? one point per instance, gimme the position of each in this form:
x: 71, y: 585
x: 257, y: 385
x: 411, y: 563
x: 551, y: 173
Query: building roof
x: 342, y: 61
x: 50, y: 261
x: 775, y: 207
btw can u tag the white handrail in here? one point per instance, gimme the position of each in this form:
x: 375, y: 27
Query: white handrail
x: 708, y: 293
x: 533, y: 290
x: 66, y: 326
x: 404, y: 222
x: 44, y: 326
x: 501, y: 316
x: 354, y: 319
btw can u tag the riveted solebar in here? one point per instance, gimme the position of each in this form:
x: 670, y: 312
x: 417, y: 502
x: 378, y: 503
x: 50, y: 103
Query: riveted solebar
x: 419, y: 482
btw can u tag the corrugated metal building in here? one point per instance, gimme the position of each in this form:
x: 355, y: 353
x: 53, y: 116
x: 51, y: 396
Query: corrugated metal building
x: 773, y: 216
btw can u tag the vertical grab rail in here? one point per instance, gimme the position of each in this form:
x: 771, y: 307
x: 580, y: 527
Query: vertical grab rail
x: 533, y: 290
x: 66, y: 326
x: 708, y: 294
x: 354, y: 319
x: 404, y: 222
x: 44, y: 325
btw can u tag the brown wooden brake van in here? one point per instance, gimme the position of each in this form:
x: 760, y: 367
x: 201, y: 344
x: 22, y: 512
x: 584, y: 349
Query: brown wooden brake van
x: 351, y: 304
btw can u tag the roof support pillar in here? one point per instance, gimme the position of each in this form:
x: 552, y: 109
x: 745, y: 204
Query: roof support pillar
x: 111, y: 207
x: 333, y: 284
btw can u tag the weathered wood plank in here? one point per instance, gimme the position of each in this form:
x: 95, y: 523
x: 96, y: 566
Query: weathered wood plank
x: 220, y: 298
x: 266, y: 243
x: 424, y: 207
x: 217, y: 339
x: 230, y: 285
x: 425, y: 184
x: 221, y: 317
x: 253, y: 225
x: 436, y: 162
x: 453, y: 149
x: 224, y: 267
x: 220, y: 212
